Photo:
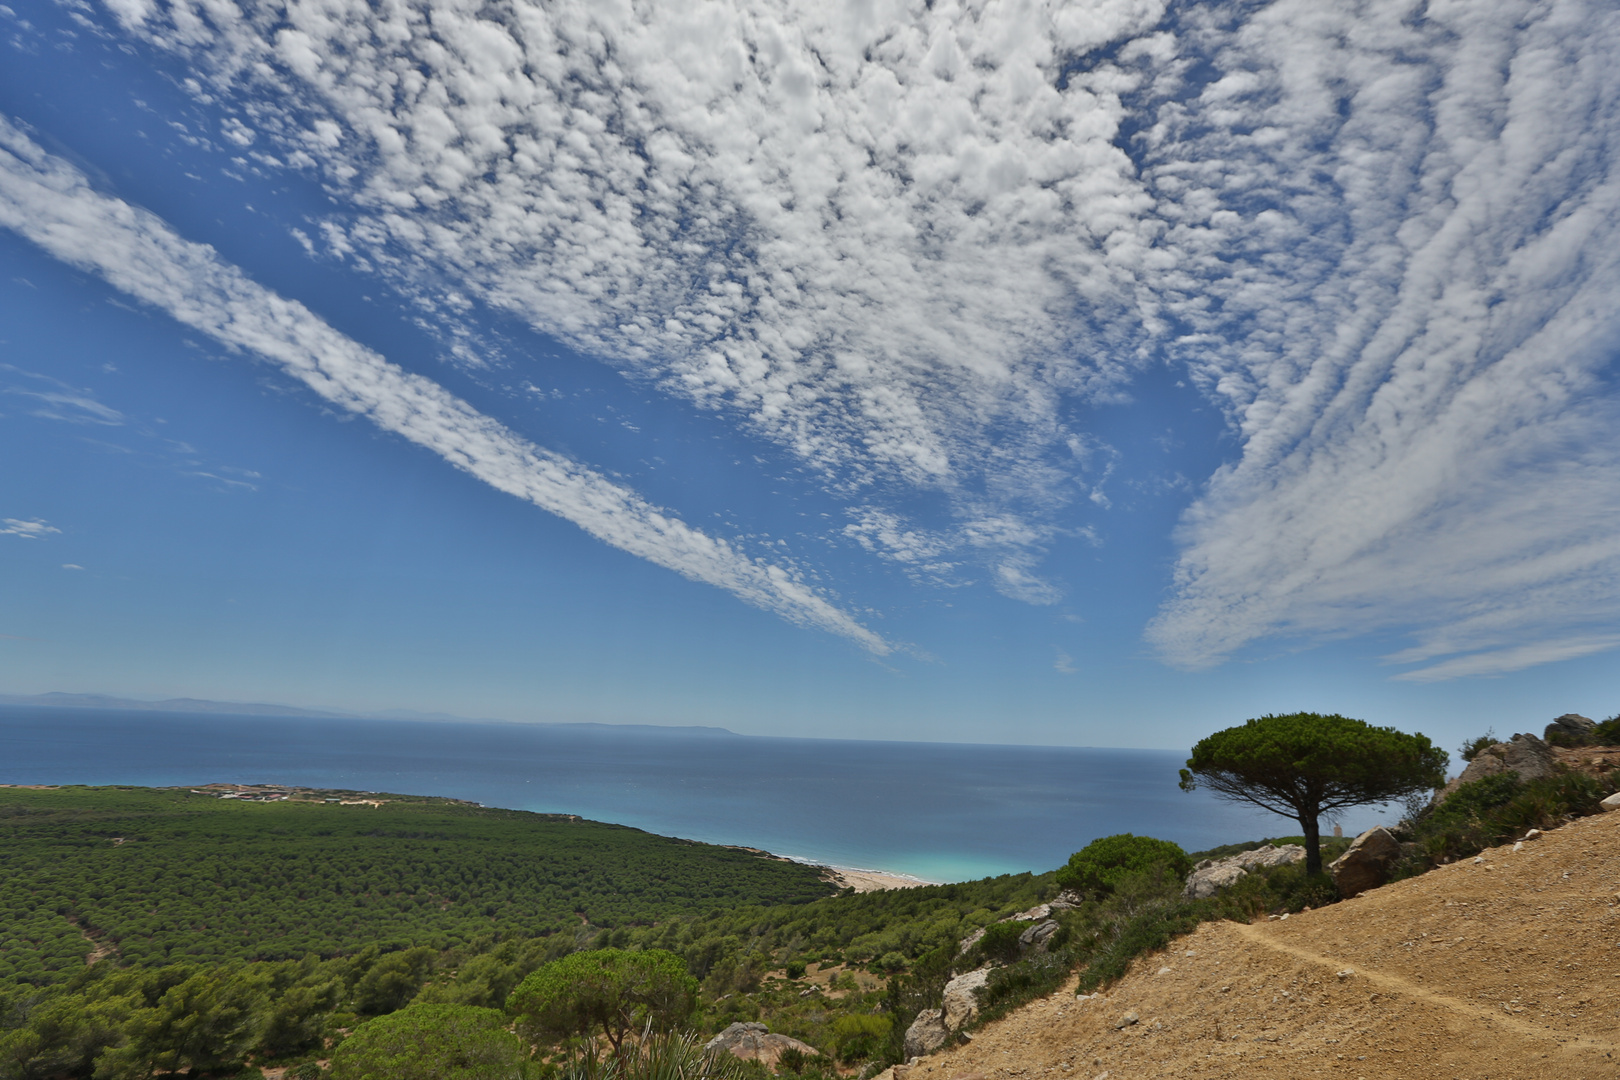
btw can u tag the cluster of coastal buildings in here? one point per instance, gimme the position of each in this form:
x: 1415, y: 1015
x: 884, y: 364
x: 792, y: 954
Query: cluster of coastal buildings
x: 250, y: 793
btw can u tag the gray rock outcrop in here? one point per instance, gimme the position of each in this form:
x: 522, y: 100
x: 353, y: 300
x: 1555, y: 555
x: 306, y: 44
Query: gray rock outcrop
x: 754, y: 1042
x: 927, y: 1033
x: 971, y: 940
x: 1526, y: 755
x: 1038, y: 935
x: 962, y: 997
x: 1215, y: 875
x: 1367, y: 863
x: 1573, y: 725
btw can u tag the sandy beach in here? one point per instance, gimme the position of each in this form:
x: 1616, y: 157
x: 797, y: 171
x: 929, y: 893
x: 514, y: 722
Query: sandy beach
x: 871, y: 880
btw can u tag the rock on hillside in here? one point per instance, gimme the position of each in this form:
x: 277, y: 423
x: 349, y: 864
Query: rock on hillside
x: 1526, y: 755
x: 1213, y: 875
x: 961, y: 999
x: 1366, y: 863
x: 754, y: 1042
x: 1570, y: 725
x: 1501, y: 968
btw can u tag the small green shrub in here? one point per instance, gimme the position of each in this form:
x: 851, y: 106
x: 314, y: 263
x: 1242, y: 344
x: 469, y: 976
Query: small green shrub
x: 1011, y: 986
x: 860, y: 1036
x: 1146, y: 931
x: 1291, y: 889
x: 1000, y: 941
x: 667, y: 1056
x: 792, y: 1060
x: 889, y: 963
x: 432, y: 1042
x: 795, y: 969
x: 1470, y: 749
x: 1496, y: 809
x: 1097, y: 868
x: 1607, y: 733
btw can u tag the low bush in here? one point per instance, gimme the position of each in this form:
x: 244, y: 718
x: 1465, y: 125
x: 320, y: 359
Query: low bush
x: 433, y: 1042
x: 670, y: 1056
x: 1098, y: 867
x: 1000, y: 941
x: 1607, y: 733
x: 1493, y: 810
x: 1470, y: 749
x: 860, y: 1036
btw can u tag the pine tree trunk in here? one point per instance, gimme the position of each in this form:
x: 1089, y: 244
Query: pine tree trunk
x: 1313, y: 843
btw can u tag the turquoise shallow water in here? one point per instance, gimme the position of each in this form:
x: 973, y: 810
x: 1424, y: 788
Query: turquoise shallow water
x: 938, y: 811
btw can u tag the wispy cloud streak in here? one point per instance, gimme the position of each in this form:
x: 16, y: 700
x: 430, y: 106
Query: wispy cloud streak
x: 48, y: 201
x: 1416, y: 226
x: 28, y: 529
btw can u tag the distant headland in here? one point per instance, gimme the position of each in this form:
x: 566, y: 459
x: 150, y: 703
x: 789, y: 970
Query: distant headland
x: 59, y: 700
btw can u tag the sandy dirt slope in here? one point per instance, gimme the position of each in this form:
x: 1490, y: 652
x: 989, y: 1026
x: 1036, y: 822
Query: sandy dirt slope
x: 1506, y: 968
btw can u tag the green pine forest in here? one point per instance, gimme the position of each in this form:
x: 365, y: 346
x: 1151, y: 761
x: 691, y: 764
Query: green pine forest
x: 163, y: 931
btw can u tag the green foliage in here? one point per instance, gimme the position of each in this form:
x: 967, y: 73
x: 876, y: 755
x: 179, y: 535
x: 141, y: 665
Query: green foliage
x: 610, y: 990
x: 200, y: 879
x: 221, y: 1014
x: 1496, y: 809
x: 1607, y: 732
x: 1470, y: 749
x: 392, y: 981
x: 1000, y: 941
x: 433, y: 1042
x: 921, y: 987
x: 856, y: 929
x: 1305, y: 764
x: 1145, y: 931
x: 1098, y: 867
x: 1018, y: 983
x: 860, y: 1036
x: 666, y: 1056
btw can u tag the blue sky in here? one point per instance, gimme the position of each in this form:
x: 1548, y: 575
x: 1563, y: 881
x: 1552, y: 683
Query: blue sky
x: 1093, y: 374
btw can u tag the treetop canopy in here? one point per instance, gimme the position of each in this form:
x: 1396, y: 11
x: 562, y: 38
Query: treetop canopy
x: 1331, y: 761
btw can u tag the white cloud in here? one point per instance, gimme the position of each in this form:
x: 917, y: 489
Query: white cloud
x: 890, y: 239
x: 50, y: 202
x: 1517, y: 658
x: 71, y: 566
x: 1416, y: 224
x: 33, y: 529
x: 902, y: 239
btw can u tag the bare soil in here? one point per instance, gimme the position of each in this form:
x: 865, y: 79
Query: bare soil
x: 1507, y: 967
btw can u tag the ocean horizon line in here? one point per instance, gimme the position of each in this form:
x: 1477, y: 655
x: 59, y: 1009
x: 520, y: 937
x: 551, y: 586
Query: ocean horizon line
x: 185, y: 706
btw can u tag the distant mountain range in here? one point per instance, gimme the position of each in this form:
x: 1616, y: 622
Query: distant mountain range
x: 57, y: 700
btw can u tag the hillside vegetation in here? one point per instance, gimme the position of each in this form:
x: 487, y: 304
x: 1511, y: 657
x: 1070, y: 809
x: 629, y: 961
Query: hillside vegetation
x: 159, y: 930
x: 1504, y: 967
x: 155, y: 876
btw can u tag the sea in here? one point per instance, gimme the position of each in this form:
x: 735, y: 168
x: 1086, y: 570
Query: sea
x: 936, y: 812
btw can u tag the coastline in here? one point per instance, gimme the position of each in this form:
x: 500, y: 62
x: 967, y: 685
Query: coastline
x: 863, y: 881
